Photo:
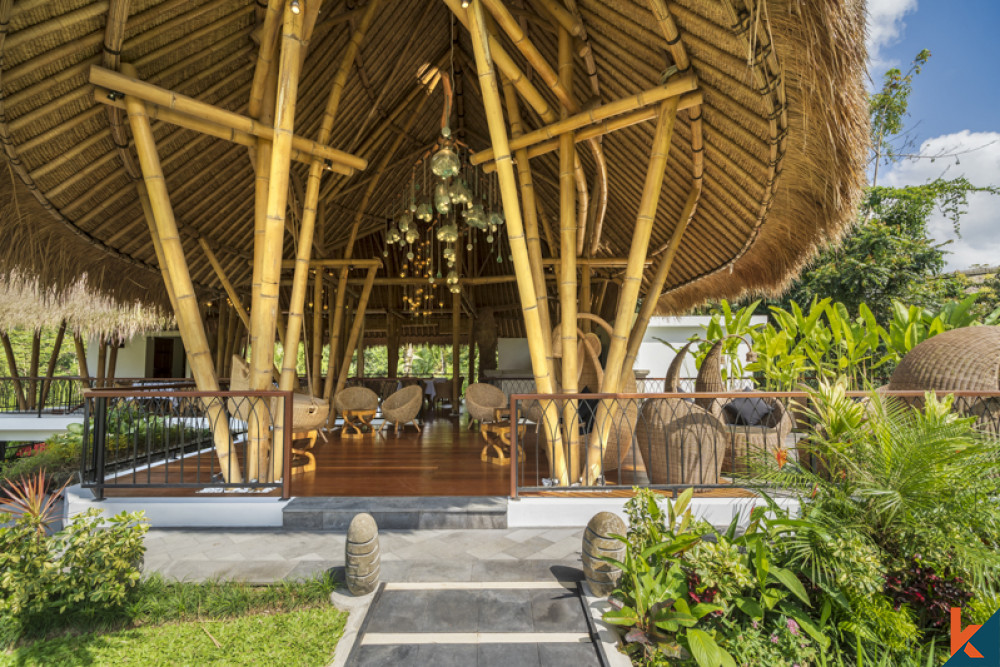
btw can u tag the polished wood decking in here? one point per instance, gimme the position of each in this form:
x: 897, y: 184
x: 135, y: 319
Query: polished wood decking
x: 443, y: 460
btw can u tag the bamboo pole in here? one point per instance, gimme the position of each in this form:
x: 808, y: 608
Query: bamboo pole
x: 392, y: 339
x: 614, y: 370
x: 222, y: 328
x: 36, y: 349
x: 109, y: 378
x: 308, y: 225
x: 515, y: 230
x: 532, y: 239
x: 568, y: 224
x: 81, y: 359
x: 471, y: 342
x: 232, y: 335
x: 343, y: 263
x: 687, y: 101
x: 102, y: 359
x: 198, y: 124
x: 352, y: 339
x: 660, y: 278
x: 8, y: 350
x: 127, y: 85
x: 456, y: 350
x: 264, y: 314
x: 186, y: 301
x: 676, y: 87
x: 317, y: 334
x: 563, y: 17
x: 226, y: 284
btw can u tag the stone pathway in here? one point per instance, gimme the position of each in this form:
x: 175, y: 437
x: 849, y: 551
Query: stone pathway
x: 263, y: 556
x: 477, y: 625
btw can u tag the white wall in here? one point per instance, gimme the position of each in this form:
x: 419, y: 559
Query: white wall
x: 514, y: 355
x: 131, y: 362
x: 655, y: 357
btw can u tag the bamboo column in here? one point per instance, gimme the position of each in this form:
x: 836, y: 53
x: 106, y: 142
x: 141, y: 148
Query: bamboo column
x: 392, y: 336
x: 614, y: 371
x: 568, y: 225
x: 586, y: 299
x: 234, y: 298
x: 109, y: 377
x: 222, y: 327
x: 232, y: 335
x: 660, y: 278
x: 309, y: 210
x: 515, y: 232
x: 317, y: 333
x: 472, y: 353
x: 264, y: 316
x: 186, y: 301
x: 530, y: 207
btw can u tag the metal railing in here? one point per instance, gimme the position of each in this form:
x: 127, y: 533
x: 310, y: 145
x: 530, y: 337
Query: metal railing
x: 678, y: 440
x: 647, y: 385
x: 41, y: 395
x: 159, y: 439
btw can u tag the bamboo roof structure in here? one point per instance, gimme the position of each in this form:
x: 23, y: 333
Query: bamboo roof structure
x: 774, y: 135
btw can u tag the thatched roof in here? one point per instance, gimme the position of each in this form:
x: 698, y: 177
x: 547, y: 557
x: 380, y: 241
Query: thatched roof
x: 784, y: 125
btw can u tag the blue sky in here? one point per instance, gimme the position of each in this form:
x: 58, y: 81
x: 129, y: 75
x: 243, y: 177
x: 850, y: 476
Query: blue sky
x: 953, y: 108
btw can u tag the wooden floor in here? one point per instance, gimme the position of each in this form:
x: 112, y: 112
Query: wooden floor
x: 443, y: 460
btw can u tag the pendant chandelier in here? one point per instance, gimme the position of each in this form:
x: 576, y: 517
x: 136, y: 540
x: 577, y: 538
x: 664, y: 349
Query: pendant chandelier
x: 450, y: 210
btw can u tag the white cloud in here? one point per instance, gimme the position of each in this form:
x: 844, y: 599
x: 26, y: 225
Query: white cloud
x: 980, y: 226
x: 885, y: 27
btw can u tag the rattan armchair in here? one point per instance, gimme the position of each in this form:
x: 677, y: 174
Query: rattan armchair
x: 402, y: 408
x: 358, y: 405
x: 483, y: 401
x: 680, y: 442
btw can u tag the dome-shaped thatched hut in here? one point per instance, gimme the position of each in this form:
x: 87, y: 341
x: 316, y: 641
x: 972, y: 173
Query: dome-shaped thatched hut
x: 280, y: 154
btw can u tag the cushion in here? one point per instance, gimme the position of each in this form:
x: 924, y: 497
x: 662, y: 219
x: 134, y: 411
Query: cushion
x: 746, y: 411
x: 587, y: 412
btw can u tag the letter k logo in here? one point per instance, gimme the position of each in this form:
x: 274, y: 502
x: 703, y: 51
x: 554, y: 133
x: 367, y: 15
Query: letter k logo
x: 960, y: 636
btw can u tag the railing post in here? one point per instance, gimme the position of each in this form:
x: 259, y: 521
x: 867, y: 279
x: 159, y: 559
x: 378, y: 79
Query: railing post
x: 86, y: 439
x: 286, y: 472
x: 513, y: 446
x: 100, y: 439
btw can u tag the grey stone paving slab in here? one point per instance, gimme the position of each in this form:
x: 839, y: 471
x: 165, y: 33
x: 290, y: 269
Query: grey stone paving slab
x: 505, y: 611
x: 557, y: 611
x: 506, y: 655
x: 382, y: 656
x: 568, y: 655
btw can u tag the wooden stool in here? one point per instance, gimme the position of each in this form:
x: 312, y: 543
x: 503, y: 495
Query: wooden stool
x: 302, y: 459
x: 364, y: 421
x: 497, y: 437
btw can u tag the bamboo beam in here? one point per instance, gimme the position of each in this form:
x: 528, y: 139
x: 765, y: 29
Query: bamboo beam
x: 222, y: 327
x: 186, y: 300
x: 530, y: 208
x: 36, y: 348
x: 614, y: 370
x: 515, y: 229
x: 317, y: 335
x: 81, y: 358
x: 659, y: 279
x: 183, y: 104
x: 688, y: 101
x: 207, y: 127
x: 676, y: 87
x: 341, y: 263
x: 102, y: 359
x: 563, y: 17
x: 456, y: 351
x: 268, y: 38
x: 234, y: 298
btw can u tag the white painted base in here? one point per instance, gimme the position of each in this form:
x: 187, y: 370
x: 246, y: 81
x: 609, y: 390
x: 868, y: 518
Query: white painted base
x: 576, y: 512
x: 200, y: 512
x: 33, y: 427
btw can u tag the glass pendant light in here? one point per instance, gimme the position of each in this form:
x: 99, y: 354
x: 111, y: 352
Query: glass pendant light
x: 459, y: 193
x: 445, y: 162
x: 442, y: 202
x: 424, y: 212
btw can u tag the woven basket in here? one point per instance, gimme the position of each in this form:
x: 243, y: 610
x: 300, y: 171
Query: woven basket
x: 680, y: 442
x: 749, y: 442
x: 483, y: 399
x: 672, y: 383
x: 965, y: 359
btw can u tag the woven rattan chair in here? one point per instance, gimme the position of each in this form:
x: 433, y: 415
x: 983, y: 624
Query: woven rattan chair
x: 672, y: 383
x: 680, y: 442
x: 309, y: 414
x: 356, y: 403
x: 402, y: 408
x: 483, y: 400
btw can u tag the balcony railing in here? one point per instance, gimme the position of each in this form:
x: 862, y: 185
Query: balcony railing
x: 678, y: 440
x: 160, y: 439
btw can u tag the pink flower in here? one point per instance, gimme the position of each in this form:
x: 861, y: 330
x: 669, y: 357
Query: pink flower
x: 774, y: 639
x: 793, y: 627
x: 755, y: 624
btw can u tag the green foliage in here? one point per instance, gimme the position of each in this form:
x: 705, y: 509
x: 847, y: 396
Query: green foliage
x: 21, y: 341
x: 87, y: 567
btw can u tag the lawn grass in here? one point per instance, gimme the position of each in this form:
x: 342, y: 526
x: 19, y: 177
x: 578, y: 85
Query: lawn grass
x: 165, y: 623
x: 306, y: 637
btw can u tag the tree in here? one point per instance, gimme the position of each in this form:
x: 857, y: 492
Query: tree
x: 887, y: 254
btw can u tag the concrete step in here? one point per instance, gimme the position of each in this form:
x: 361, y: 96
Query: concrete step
x: 396, y: 513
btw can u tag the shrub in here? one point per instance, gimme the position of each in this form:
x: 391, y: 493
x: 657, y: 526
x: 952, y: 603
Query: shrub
x: 86, y: 568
